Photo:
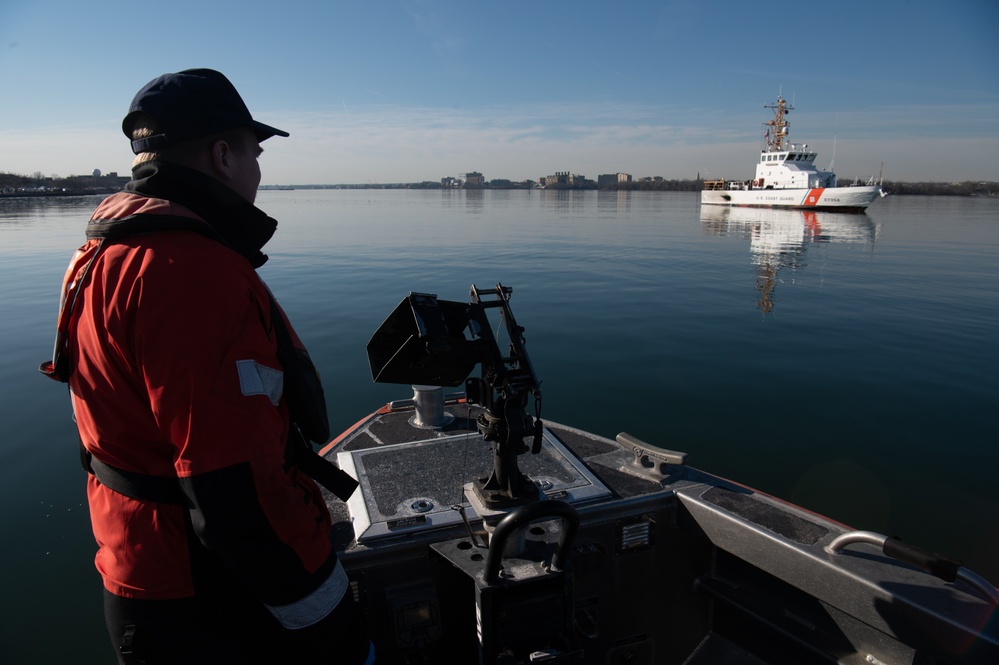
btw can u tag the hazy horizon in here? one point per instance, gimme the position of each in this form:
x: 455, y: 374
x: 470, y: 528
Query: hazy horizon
x: 419, y: 90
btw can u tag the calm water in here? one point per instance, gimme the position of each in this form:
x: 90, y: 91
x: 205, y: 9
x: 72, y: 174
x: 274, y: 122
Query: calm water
x: 848, y: 363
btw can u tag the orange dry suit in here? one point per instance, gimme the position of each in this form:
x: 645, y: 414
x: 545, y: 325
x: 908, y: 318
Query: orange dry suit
x: 170, y: 344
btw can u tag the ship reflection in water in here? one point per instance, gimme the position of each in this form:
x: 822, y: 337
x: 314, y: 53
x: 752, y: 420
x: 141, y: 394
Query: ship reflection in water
x: 779, y: 239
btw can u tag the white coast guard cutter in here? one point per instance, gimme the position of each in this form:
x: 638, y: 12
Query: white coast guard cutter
x: 786, y: 177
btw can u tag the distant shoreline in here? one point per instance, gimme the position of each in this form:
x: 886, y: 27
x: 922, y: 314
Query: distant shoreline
x: 39, y: 195
x: 976, y: 189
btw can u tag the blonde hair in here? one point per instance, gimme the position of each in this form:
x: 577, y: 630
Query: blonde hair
x: 185, y: 153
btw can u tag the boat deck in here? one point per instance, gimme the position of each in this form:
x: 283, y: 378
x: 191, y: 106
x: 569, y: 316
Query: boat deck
x: 668, y: 564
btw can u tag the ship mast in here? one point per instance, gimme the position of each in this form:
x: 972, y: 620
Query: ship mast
x: 777, y: 128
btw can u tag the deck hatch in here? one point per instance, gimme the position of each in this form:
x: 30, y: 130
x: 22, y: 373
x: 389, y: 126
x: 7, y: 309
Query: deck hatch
x: 411, y: 487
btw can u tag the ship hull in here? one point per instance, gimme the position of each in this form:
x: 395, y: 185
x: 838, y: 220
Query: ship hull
x: 819, y: 198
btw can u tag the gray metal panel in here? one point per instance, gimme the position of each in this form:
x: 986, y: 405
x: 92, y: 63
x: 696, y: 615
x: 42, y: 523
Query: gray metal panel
x: 896, y: 599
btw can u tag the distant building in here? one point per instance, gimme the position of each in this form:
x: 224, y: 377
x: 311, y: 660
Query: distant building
x: 474, y: 179
x: 448, y: 181
x: 565, y: 180
x: 611, y: 179
x: 95, y: 182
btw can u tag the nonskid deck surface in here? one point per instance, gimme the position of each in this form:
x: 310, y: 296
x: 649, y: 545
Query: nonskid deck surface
x: 412, y: 477
x: 416, y: 485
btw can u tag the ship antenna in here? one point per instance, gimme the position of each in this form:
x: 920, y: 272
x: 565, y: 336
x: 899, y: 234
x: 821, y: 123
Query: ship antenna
x: 778, y: 132
x: 832, y: 162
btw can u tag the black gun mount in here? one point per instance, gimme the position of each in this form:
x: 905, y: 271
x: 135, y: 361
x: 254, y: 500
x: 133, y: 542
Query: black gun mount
x: 423, y: 342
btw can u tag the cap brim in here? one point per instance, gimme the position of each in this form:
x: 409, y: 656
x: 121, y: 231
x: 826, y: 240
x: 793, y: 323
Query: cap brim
x: 264, y: 132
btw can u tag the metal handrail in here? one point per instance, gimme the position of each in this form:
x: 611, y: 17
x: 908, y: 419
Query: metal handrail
x: 938, y: 565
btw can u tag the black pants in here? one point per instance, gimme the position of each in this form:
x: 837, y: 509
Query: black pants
x: 218, y: 632
x: 192, y: 631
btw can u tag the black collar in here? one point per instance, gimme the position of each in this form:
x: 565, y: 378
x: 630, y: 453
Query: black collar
x: 238, y: 223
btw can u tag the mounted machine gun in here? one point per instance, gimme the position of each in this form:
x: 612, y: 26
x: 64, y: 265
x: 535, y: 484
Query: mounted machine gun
x: 424, y: 342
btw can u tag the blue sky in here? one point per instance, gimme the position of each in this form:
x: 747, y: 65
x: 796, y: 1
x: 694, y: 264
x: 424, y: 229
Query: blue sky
x: 394, y: 91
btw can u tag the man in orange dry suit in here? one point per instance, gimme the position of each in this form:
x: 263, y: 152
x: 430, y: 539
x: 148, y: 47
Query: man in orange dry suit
x: 213, y: 543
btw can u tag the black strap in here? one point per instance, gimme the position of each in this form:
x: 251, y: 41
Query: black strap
x: 303, y: 390
x: 326, y: 473
x: 138, y: 486
x: 161, y: 489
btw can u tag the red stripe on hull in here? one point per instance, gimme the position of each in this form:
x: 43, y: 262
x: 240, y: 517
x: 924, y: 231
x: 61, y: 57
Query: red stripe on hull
x: 813, y: 196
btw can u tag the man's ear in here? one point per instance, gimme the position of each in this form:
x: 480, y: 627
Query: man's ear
x: 222, y: 160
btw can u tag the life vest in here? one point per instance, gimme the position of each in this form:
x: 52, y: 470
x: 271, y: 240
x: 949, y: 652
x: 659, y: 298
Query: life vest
x: 303, y: 392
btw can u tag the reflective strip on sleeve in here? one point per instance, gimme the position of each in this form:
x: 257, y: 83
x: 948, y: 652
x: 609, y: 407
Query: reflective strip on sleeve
x: 314, y: 607
x: 257, y: 379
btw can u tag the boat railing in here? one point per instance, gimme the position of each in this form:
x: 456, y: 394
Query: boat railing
x: 941, y: 566
x: 719, y: 185
x: 871, y: 181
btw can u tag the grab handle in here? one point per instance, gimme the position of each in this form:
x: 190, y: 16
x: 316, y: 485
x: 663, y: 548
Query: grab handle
x: 938, y: 565
x: 526, y: 514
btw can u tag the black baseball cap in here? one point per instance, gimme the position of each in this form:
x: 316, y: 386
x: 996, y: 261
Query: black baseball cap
x: 188, y: 105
